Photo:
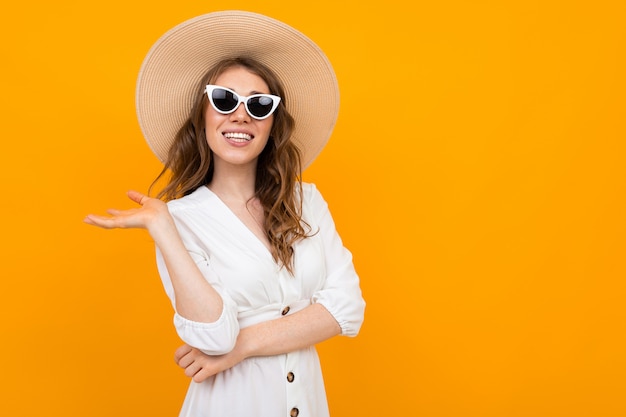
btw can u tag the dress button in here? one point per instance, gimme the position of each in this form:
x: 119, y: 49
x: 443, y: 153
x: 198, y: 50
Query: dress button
x: 294, y: 412
x: 285, y: 310
x: 290, y: 377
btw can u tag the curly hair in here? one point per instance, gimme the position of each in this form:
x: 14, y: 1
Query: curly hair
x: 278, y: 182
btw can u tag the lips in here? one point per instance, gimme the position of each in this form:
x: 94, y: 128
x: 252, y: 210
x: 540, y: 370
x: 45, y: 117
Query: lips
x: 238, y: 136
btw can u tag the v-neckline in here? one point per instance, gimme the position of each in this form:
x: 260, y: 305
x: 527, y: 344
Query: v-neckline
x: 239, y: 221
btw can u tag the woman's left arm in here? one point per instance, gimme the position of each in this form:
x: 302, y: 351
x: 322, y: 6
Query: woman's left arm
x: 307, y: 327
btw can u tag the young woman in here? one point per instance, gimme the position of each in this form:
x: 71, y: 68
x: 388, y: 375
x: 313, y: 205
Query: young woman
x: 247, y: 253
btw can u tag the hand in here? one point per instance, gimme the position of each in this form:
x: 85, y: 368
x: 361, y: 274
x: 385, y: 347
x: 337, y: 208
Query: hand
x: 143, y: 217
x: 200, y: 366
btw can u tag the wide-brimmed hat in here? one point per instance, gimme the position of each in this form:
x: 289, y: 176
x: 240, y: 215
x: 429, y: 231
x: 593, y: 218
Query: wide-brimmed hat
x: 173, y: 67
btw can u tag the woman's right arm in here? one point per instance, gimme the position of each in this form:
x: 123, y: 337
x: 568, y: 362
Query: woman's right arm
x: 196, y: 299
x: 199, y: 305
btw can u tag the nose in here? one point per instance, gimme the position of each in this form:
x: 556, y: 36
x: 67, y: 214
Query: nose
x: 240, y: 114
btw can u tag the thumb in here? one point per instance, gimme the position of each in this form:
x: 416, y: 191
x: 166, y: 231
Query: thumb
x: 136, y: 196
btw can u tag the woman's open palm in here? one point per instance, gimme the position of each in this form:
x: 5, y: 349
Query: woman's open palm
x: 150, y: 210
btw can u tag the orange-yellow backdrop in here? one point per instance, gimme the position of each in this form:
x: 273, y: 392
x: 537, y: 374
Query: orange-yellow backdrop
x: 477, y: 173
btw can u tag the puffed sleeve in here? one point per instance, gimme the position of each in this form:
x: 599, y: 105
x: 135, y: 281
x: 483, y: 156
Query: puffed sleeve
x: 341, y: 293
x: 214, y: 338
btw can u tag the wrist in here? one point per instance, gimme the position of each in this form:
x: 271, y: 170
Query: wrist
x: 243, y: 348
x: 162, y: 226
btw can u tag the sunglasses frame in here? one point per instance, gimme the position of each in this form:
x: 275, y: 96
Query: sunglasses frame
x: 241, y: 99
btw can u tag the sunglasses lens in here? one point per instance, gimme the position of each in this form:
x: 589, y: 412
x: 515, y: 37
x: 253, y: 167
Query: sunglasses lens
x: 260, y: 106
x: 224, y: 100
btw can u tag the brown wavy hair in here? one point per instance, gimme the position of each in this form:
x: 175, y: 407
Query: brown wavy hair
x: 279, y: 166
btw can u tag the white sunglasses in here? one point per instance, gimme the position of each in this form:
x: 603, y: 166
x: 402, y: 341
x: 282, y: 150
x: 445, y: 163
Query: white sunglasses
x: 226, y: 101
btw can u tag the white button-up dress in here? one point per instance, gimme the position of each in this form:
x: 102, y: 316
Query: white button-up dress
x: 255, y: 289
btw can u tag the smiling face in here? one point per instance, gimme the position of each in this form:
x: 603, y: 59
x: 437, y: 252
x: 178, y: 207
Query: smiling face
x: 236, y: 139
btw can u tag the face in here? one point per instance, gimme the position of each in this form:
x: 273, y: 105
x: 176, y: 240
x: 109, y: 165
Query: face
x: 237, y: 139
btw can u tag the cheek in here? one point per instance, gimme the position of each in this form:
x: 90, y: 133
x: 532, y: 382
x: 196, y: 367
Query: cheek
x: 210, y: 129
x: 268, y: 124
x: 211, y: 118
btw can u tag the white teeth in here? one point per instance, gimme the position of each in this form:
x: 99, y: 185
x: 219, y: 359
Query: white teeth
x: 241, y: 136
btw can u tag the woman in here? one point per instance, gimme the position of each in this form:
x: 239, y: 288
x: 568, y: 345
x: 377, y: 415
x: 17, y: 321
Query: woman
x: 247, y: 253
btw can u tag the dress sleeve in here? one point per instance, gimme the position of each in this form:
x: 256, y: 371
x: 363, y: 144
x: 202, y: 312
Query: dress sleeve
x: 341, y: 293
x: 216, y: 338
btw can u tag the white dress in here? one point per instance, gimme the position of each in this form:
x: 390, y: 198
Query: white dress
x: 255, y: 289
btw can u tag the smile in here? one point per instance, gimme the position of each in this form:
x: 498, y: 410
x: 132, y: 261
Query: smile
x: 238, y: 137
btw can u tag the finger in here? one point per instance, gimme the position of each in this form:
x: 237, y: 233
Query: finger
x: 202, y: 375
x: 100, y: 221
x: 89, y: 220
x: 192, y: 369
x: 181, y: 352
x: 187, y: 360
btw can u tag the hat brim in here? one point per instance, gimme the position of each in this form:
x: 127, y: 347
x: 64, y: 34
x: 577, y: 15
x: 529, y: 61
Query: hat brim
x: 170, y: 73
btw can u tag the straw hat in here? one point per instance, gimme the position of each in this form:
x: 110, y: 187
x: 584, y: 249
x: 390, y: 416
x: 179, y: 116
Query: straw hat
x: 171, y: 71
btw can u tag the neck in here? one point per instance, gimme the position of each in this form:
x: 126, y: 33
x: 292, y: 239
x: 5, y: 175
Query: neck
x: 235, y: 184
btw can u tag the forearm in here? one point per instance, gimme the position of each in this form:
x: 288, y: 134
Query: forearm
x: 305, y: 328
x: 196, y: 299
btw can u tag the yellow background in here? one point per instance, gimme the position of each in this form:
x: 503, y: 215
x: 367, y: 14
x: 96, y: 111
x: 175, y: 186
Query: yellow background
x: 477, y: 174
